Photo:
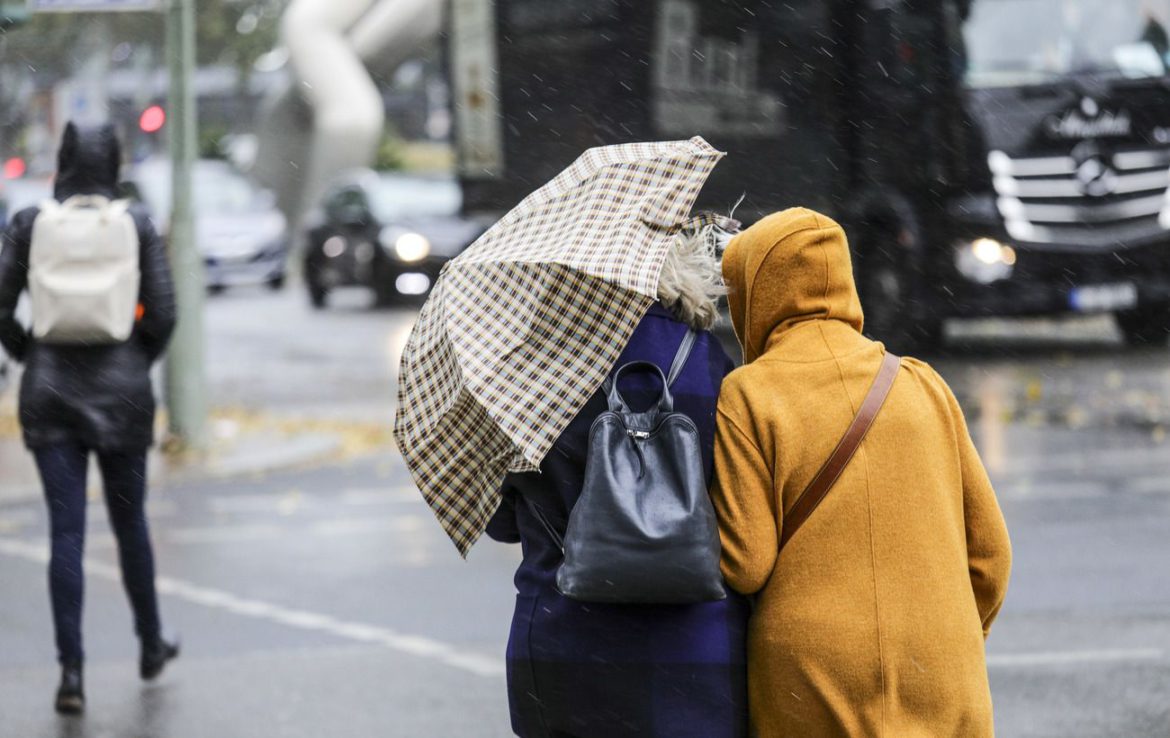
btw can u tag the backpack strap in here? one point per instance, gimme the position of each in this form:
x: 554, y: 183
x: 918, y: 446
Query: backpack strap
x: 676, y: 367
x: 108, y: 209
x: 680, y: 358
x: 614, y: 395
x: 831, y: 471
x: 86, y: 201
x: 557, y: 537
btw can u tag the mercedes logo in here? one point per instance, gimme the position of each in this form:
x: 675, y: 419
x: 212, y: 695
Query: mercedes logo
x: 1096, y: 178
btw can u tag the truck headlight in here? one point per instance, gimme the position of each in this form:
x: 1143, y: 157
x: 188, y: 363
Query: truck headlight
x: 984, y: 260
x: 407, y: 246
x: 333, y: 247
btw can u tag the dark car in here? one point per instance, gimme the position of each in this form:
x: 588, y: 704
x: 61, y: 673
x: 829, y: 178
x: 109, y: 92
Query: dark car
x: 391, y: 233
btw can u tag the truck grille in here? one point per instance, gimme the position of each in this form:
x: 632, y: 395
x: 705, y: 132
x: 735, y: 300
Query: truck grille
x: 1087, y: 200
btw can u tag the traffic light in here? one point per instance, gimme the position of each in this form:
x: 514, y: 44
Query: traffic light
x: 152, y: 119
x: 14, y: 168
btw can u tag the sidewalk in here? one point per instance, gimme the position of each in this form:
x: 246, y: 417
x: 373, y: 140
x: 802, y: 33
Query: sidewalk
x: 242, y: 444
x: 290, y: 387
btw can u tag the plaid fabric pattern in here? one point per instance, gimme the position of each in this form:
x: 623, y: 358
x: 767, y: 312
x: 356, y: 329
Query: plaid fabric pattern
x: 524, y: 326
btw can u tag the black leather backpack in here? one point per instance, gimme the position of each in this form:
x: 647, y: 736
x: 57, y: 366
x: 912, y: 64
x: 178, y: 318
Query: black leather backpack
x: 643, y: 529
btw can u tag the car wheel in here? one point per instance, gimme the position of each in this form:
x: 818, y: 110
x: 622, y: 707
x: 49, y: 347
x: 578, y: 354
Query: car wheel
x: 885, y: 289
x: 1146, y: 326
x: 276, y: 283
x: 385, y: 295
x: 383, y: 277
x: 318, y: 296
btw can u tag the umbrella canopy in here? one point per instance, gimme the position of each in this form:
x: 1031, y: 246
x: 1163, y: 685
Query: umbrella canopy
x: 524, y: 326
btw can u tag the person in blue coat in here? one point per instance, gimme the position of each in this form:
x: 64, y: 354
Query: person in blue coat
x: 585, y: 670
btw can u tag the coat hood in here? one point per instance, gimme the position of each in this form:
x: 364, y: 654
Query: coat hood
x: 88, y: 162
x: 789, y: 268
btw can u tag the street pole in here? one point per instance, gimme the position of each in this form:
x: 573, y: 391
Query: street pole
x: 91, y: 81
x: 185, y: 375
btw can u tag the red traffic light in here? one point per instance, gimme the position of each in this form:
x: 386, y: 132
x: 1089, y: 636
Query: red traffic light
x: 152, y: 119
x: 14, y: 168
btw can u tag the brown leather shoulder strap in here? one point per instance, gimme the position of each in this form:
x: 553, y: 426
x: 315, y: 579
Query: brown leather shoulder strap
x: 827, y: 476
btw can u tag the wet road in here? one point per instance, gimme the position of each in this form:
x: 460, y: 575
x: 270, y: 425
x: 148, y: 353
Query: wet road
x: 327, y: 602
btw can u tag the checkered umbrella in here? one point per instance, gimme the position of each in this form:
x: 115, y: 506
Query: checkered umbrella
x: 523, y: 327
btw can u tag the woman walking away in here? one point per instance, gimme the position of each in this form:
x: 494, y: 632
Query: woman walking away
x: 102, y: 312
x: 585, y: 670
x: 870, y: 618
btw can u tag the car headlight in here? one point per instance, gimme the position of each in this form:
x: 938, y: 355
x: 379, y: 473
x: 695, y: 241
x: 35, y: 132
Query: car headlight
x: 407, y: 246
x: 984, y: 260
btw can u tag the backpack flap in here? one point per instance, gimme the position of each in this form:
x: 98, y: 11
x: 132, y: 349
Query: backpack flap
x: 83, y: 271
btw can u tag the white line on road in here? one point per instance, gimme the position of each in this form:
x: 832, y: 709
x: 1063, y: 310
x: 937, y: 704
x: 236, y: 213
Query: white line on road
x: 293, y: 501
x: 419, y: 646
x: 1117, y: 461
x: 1064, y: 658
x: 264, y: 532
x: 450, y: 655
x: 283, y: 502
x: 393, y: 495
x: 217, y: 534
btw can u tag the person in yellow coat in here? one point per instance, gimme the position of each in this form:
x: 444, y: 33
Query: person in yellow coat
x: 872, y: 620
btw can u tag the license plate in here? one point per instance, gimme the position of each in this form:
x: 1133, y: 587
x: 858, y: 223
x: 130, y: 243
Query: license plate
x: 1103, y: 297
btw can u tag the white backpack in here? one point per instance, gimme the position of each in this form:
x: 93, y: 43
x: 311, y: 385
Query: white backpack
x: 83, y: 271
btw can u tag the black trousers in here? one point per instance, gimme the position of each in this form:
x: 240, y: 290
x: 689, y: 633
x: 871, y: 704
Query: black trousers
x: 63, y: 470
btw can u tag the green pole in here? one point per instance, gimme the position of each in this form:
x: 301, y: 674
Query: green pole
x: 185, y: 377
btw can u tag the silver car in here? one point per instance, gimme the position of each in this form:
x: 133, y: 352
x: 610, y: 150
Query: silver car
x: 243, y: 237
x: 18, y: 194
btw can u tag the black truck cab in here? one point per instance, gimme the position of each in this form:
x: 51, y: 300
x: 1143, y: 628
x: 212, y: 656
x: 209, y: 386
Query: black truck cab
x: 987, y: 157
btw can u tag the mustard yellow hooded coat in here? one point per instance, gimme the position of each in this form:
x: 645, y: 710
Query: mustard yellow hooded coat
x: 872, y: 621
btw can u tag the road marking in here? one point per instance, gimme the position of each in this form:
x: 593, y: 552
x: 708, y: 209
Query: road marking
x: 392, y: 495
x: 289, y: 502
x: 259, y: 532
x: 220, y: 534
x: 282, y: 502
x: 412, y: 645
x: 1157, y: 485
x: 348, y: 526
x: 450, y: 655
x: 1121, y: 461
x: 1063, y: 658
x: 1027, y: 489
x: 1035, y: 488
x: 16, y: 519
x: 161, y: 508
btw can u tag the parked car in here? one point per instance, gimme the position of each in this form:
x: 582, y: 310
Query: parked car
x: 389, y: 232
x: 243, y: 237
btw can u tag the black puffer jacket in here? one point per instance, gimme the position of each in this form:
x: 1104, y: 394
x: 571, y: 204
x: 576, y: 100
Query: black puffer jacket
x: 100, y: 396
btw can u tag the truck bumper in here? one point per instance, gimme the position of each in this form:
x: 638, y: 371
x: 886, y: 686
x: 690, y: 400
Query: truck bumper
x: 1047, y: 283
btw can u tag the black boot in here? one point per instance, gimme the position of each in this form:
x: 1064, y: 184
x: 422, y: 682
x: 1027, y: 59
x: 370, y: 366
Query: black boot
x: 156, y: 652
x: 70, y: 695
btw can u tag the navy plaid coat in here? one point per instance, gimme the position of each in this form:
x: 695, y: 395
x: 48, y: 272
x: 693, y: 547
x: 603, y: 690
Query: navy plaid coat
x: 582, y: 670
